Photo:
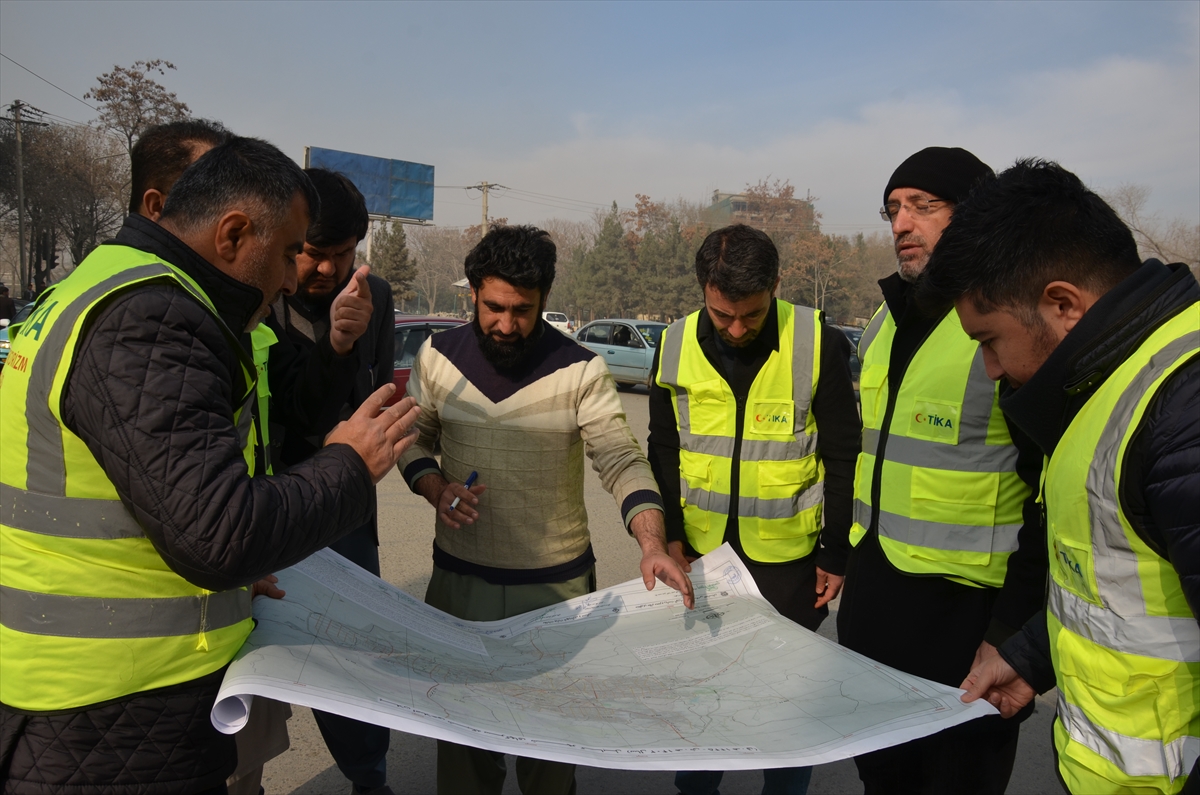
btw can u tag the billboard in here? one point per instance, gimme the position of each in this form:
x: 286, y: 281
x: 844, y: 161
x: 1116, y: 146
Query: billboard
x: 392, y: 188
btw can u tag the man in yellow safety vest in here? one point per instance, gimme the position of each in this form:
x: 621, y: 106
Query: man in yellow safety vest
x: 134, y: 505
x: 753, y: 437
x: 947, y: 560
x: 1104, y: 352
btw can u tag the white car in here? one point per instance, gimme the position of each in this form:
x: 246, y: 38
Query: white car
x: 559, y: 321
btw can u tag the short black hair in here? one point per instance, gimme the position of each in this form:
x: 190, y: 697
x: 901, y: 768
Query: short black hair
x: 737, y: 261
x: 243, y: 173
x: 343, y: 209
x: 523, y: 256
x: 1032, y: 224
x: 163, y: 152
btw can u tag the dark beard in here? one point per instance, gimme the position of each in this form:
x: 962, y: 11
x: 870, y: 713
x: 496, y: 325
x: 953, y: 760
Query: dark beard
x: 506, y: 356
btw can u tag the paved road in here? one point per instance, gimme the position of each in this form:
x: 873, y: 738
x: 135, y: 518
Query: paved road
x: 406, y: 535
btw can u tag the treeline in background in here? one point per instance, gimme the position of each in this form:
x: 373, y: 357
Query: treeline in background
x: 635, y: 263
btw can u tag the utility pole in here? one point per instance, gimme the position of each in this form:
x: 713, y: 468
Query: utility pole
x: 485, y: 186
x: 16, y: 110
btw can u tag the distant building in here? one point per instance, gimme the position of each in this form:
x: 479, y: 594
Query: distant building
x: 771, y: 215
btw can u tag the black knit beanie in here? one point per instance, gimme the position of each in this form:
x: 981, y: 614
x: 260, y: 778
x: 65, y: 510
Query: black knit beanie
x: 948, y: 173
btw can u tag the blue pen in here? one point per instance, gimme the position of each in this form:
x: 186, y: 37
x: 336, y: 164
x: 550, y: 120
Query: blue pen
x: 470, y: 482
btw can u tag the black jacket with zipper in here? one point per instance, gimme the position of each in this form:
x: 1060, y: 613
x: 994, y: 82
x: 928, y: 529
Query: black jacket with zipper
x: 152, y: 391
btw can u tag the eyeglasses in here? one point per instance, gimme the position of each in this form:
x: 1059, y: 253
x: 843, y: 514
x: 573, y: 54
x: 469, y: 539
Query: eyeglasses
x: 889, y: 211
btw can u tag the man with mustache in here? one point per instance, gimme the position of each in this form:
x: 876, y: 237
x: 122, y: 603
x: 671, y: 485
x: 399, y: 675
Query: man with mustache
x: 137, y: 507
x: 307, y: 387
x: 515, y: 400
x: 336, y: 339
x: 949, y: 556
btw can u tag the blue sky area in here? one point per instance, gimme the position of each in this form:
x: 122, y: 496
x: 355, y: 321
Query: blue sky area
x: 598, y: 101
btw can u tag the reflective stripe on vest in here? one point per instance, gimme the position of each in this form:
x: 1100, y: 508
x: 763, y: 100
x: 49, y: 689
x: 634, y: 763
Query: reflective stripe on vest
x: 101, y: 617
x: 1125, y: 643
x: 1174, y: 638
x: 83, y: 592
x: 54, y: 516
x: 781, y: 479
x: 1133, y: 755
x: 950, y: 501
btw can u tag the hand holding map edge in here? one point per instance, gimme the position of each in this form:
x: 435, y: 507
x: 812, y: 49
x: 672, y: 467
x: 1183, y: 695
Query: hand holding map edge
x: 999, y: 684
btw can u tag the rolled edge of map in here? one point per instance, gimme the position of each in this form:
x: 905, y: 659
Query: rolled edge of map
x: 229, y: 715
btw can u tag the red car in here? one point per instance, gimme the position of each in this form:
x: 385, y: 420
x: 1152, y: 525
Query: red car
x: 411, y: 331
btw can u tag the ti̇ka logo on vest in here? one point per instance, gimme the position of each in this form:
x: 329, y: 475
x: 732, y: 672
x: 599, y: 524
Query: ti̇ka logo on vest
x: 934, y: 420
x: 773, y: 416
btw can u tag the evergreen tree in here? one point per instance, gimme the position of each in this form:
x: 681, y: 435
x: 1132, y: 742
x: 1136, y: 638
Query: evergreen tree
x: 603, y: 278
x: 390, y: 260
x: 665, y: 274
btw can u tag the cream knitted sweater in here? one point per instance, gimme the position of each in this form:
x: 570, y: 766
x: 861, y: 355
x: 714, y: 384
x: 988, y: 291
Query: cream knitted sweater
x: 526, y: 434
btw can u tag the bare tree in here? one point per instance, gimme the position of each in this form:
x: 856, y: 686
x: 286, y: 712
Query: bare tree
x: 131, y: 100
x: 821, y: 263
x: 75, y: 181
x: 96, y: 175
x: 1170, y: 241
x: 439, y: 253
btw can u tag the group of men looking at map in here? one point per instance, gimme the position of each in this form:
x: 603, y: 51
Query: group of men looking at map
x: 173, y: 450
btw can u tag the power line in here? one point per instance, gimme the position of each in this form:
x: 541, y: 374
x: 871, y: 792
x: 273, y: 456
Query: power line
x: 65, y: 122
x: 47, y: 82
x: 585, y: 210
x: 559, y: 198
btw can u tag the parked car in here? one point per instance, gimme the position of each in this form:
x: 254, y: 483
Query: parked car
x: 559, y: 321
x: 22, y: 312
x: 411, y: 331
x: 854, y: 334
x: 626, y: 345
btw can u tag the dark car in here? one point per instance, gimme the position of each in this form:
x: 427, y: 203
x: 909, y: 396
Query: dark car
x: 854, y: 334
x: 411, y: 331
x: 627, y: 346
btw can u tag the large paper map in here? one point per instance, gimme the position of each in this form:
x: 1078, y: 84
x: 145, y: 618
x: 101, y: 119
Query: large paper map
x: 621, y: 678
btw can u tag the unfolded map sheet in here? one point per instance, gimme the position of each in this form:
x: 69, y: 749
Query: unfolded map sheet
x: 622, y: 678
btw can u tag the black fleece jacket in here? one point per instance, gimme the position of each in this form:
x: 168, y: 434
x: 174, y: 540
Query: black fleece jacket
x: 1160, y: 473
x: 152, y: 393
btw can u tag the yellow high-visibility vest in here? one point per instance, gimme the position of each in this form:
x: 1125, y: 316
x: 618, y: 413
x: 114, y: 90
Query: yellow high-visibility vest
x: 1125, y: 643
x: 90, y: 611
x: 261, y: 339
x: 781, y: 477
x: 937, y: 473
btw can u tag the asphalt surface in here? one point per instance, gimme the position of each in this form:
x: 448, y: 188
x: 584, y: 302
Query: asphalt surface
x: 406, y: 537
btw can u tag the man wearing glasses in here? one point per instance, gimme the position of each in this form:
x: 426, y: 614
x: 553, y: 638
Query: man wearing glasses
x: 948, y: 554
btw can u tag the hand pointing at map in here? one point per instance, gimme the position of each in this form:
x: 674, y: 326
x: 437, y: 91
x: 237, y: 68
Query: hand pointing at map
x: 650, y: 532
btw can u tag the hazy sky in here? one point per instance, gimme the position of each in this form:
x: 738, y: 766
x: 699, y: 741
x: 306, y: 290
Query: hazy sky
x: 595, y: 102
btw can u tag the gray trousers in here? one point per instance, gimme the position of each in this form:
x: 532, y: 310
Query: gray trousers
x: 461, y: 769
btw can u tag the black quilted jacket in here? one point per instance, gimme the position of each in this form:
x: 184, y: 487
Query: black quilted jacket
x: 152, y: 394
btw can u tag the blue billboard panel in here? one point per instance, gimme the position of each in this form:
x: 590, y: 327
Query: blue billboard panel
x: 392, y: 188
